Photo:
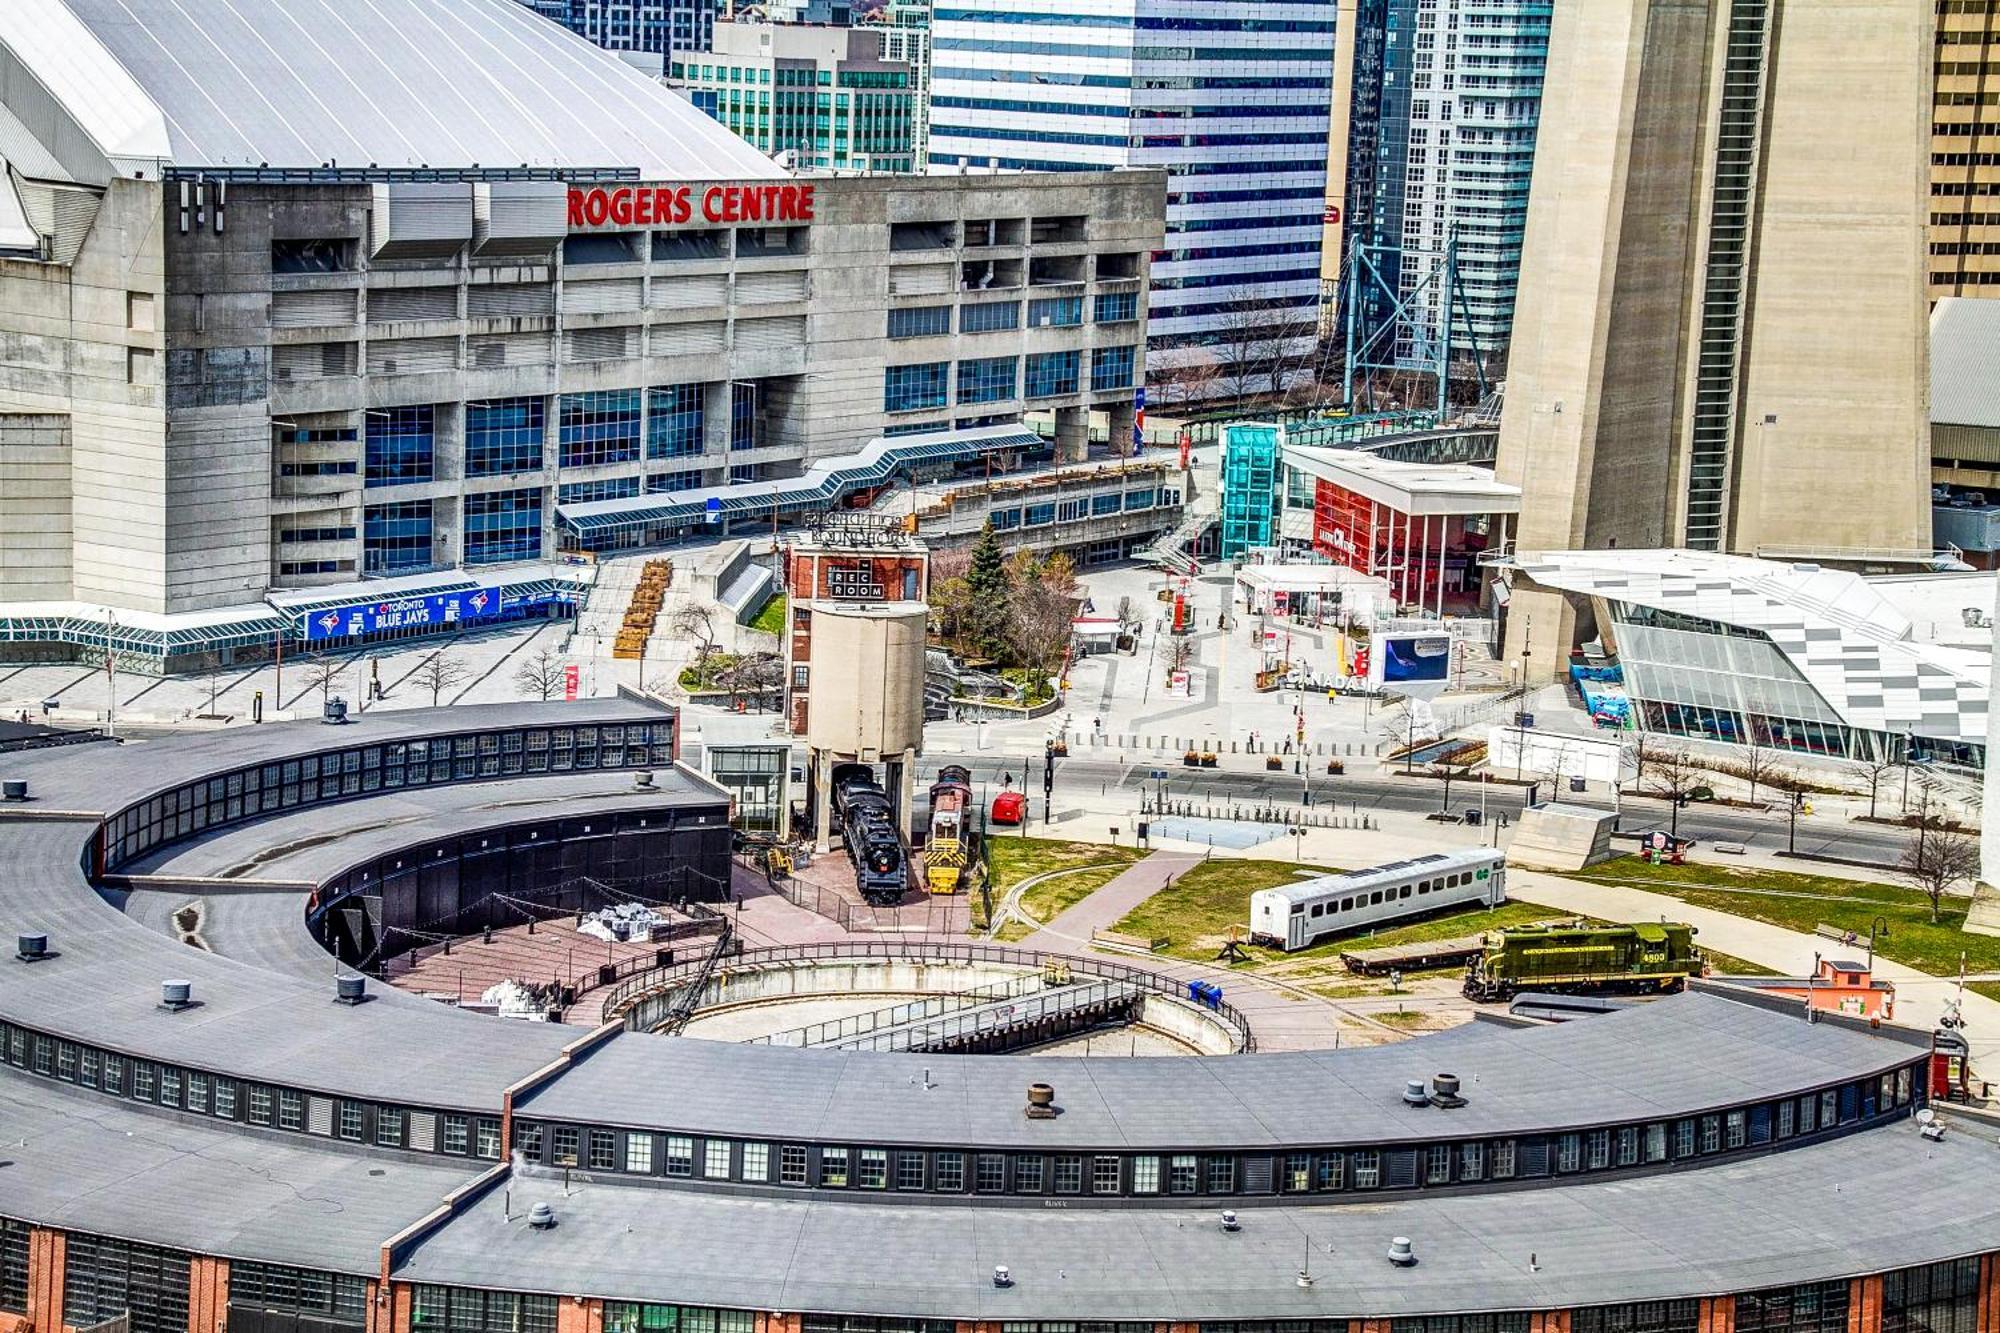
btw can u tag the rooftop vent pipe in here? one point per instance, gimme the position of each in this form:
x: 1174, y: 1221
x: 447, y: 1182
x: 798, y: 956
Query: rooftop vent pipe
x: 1415, y: 1094
x: 1401, y: 1252
x: 176, y: 994
x: 542, y: 1217
x: 350, y: 990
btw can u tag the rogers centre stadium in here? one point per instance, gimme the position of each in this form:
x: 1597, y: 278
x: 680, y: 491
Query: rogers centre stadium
x: 248, y: 1147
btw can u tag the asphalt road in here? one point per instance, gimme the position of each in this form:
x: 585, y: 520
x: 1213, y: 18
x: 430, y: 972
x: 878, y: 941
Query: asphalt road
x: 1817, y: 835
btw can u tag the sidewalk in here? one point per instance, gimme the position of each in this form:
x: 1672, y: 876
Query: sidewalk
x: 1920, y: 999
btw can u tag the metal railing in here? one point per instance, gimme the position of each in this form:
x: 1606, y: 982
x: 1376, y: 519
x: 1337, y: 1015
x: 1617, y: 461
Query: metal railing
x: 996, y: 1017
x: 629, y: 992
x: 897, y: 1015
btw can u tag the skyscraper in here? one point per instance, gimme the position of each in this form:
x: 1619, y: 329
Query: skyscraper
x: 826, y: 97
x: 1434, y: 141
x: 1720, y: 341
x: 906, y: 36
x: 1965, y: 152
x: 655, y: 26
x: 1232, y: 102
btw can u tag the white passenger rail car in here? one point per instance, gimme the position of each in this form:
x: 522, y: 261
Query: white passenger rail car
x: 1297, y: 916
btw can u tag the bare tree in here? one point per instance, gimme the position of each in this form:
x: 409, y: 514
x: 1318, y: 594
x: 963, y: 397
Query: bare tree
x: 1875, y: 769
x: 439, y: 672
x: 695, y: 620
x: 1191, y: 381
x: 951, y: 597
x: 1758, y: 761
x: 1040, y: 614
x: 322, y: 674
x: 541, y: 675
x: 1674, y: 775
x: 1939, y: 857
x: 753, y: 677
x: 1180, y: 655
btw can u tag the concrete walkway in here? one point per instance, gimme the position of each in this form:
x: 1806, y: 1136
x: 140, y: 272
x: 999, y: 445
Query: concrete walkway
x: 1920, y: 999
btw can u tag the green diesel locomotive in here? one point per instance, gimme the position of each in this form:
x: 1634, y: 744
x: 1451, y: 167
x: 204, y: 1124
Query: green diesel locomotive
x: 1582, y: 959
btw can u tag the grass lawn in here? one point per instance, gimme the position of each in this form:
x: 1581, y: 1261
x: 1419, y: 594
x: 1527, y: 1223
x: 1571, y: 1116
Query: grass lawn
x: 1729, y: 965
x: 1196, y: 911
x: 771, y: 620
x: 1010, y: 860
x: 1801, y: 901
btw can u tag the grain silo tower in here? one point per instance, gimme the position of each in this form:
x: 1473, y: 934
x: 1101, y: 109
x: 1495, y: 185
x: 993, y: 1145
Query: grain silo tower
x: 854, y: 655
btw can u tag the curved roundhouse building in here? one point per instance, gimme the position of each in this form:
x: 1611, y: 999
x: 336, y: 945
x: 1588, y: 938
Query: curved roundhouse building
x: 265, y: 1157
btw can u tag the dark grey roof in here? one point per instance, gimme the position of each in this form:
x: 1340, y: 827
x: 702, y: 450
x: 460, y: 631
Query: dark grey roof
x: 110, y: 1168
x: 1687, y: 1053
x: 254, y: 1023
x: 87, y: 779
x: 319, y: 841
x: 1871, y: 1201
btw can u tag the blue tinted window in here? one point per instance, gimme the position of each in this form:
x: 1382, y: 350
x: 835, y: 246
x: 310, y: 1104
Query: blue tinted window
x: 924, y: 321
x: 503, y: 525
x: 988, y: 316
x: 400, y: 444
x: 989, y: 379
x: 742, y: 416
x: 1111, y: 368
x: 396, y: 536
x: 1053, y: 373
x: 609, y: 488
x: 661, y: 482
x: 1116, y: 307
x: 673, y: 421
x: 1055, y: 312
x: 600, y: 427
x: 503, y: 435
x: 914, y: 388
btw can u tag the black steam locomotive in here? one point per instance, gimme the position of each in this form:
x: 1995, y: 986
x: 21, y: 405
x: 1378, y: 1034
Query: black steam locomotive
x: 868, y: 823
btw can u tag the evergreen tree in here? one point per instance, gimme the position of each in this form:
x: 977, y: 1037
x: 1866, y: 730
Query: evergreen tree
x: 987, y: 580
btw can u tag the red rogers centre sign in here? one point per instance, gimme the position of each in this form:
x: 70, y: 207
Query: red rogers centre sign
x: 607, y: 207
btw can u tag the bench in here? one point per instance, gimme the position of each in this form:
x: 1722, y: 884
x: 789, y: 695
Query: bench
x: 1120, y: 940
x: 1836, y: 933
x: 1728, y: 848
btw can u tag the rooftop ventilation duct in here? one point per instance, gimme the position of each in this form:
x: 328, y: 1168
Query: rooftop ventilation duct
x: 542, y: 1217
x: 31, y: 948
x: 176, y: 995
x: 420, y: 219
x: 1041, y: 1101
x: 14, y: 789
x: 1415, y: 1094
x: 526, y: 218
x: 1402, y: 1253
x: 350, y: 990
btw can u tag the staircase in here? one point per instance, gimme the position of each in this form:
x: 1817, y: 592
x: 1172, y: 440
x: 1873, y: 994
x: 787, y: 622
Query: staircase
x: 1169, y: 549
